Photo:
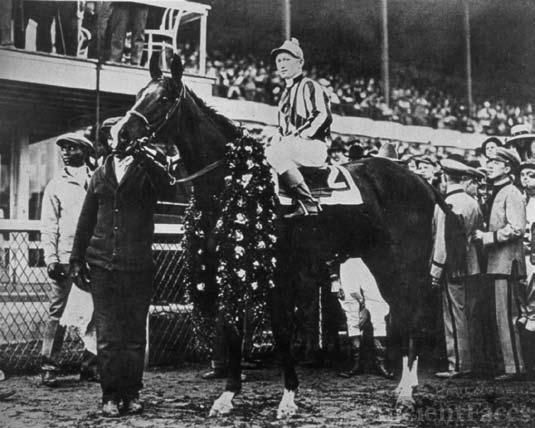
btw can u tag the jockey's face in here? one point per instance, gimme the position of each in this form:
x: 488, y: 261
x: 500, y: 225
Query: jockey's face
x: 288, y: 66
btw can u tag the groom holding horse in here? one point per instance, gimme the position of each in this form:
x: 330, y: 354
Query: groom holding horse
x: 304, y: 125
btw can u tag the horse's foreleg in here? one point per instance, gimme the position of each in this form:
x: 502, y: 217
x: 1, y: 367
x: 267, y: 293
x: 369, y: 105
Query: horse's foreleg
x: 287, y: 406
x: 223, y: 405
x: 282, y: 333
x: 409, y: 376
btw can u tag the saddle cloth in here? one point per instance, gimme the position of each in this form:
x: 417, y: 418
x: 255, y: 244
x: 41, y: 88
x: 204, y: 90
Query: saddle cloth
x: 330, y: 184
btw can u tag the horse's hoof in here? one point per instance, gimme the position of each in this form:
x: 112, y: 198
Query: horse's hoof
x: 286, y: 412
x: 287, y: 407
x: 405, y: 403
x: 222, y: 406
x: 219, y: 410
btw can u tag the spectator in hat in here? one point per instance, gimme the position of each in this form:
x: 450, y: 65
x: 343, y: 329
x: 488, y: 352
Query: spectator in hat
x: 506, y: 224
x: 454, y: 279
x: 356, y: 152
x: 522, y: 140
x: 338, y: 153
x: 426, y: 168
x: 62, y: 202
x: 527, y: 180
x: 304, y: 124
x: 388, y: 151
x: 489, y: 146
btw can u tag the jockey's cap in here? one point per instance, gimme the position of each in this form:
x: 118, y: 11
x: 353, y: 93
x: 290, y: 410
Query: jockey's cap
x: 508, y: 156
x: 290, y: 46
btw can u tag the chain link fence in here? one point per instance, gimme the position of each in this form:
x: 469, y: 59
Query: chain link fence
x: 24, y: 303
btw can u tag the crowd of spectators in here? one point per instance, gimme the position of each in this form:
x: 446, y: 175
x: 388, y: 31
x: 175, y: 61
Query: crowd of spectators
x: 415, y: 99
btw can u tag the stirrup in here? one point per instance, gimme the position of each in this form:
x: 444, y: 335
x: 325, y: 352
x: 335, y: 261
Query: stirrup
x: 302, y: 211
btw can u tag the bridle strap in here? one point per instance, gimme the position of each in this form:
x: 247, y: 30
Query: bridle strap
x: 153, y: 129
x: 158, y: 128
x: 199, y: 173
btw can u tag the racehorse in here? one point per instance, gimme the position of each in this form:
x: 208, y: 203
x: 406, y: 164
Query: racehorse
x: 391, y: 231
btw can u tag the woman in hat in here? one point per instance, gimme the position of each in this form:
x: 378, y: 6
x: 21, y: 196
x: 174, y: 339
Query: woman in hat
x: 304, y: 126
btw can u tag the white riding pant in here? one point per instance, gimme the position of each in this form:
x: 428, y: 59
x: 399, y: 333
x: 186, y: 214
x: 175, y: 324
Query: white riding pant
x: 285, y: 153
x: 356, y: 279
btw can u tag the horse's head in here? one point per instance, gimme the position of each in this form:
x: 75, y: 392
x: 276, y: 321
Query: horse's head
x: 154, y: 106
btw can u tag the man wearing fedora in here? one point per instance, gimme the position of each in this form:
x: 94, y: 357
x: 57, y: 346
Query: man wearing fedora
x: 506, y: 224
x: 454, y: 279
x: 62, y: 202
x: 304, y: 126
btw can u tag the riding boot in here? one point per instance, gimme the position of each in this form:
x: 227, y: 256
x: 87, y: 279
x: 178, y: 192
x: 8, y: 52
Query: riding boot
x: 306, y: 203
x: 356, y: 367
x: 380, y: 360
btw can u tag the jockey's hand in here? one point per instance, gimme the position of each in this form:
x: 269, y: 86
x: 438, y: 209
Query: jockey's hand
x: 364, y: 316
x: 341, y: 294
x: 55, y: 271
x: 478, y: 234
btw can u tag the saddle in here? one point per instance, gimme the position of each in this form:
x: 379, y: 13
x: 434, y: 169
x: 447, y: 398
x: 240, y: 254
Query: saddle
x: 330, y: 184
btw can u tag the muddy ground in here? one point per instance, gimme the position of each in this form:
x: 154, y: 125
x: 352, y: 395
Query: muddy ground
x: 179, y: 397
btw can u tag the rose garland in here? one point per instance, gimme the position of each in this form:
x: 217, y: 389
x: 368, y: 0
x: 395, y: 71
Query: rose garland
x: 245, y: 261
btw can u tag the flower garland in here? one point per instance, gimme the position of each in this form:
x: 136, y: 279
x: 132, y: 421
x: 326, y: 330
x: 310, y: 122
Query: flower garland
x: 240, y: 275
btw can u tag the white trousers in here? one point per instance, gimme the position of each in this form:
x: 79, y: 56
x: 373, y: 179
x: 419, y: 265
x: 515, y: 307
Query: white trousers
x: 79, y: 313
x: 356, y: 280
x: 285, y: 153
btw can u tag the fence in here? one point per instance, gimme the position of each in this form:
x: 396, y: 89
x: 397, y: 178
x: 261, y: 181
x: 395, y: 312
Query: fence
x: 23, y: 302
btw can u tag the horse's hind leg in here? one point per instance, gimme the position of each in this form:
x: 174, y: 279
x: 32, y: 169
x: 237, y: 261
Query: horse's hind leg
x: 409, y: 376
x: 223, y: 405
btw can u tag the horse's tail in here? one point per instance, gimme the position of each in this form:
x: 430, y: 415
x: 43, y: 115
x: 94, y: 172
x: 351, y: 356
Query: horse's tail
x: 455, y: 237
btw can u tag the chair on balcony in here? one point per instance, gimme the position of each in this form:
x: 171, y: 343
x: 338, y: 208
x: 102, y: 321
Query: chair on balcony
x: 165, y: 36
x: 84, y: 36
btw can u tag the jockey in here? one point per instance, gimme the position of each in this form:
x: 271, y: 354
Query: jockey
x: 304, y: 127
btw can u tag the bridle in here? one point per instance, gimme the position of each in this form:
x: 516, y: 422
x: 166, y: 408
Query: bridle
x: 154, y: 129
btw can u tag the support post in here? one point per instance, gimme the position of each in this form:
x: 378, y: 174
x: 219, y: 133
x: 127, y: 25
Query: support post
x: 202, y: 46
x: 468, y: 52
x: 286, y: 19
x: 384, y: 52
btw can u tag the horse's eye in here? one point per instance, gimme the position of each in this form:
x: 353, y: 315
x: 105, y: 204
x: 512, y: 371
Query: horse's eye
x: 164, y: 99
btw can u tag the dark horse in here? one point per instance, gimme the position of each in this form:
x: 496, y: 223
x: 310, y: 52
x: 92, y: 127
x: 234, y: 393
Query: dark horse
x: 391, y: 231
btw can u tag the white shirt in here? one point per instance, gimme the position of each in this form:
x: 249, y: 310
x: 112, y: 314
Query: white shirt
x: 120, y: 166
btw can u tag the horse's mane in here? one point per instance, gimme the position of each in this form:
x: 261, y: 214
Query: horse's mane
x: 226, y: 126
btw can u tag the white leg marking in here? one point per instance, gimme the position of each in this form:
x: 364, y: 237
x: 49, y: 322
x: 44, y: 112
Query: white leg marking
x: 407, y: 384
x: 223, y: 405
x: 287, y: 406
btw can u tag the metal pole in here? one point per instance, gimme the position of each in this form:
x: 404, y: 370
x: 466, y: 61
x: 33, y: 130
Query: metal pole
x: 99, y: 66
x: 468, y: 56
x: 286, y: 19
x: 384, y: 52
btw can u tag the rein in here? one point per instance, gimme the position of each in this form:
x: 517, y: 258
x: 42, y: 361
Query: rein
x: 197, y: 174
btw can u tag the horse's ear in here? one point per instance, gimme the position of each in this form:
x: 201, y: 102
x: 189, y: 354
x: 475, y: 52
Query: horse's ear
x: 154, y: 66
x: 176, y: 68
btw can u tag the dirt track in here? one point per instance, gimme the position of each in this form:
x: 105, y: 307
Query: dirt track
x: 181, y: 398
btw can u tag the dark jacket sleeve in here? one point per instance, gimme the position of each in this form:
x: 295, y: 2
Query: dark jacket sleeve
x: 86, y: 225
